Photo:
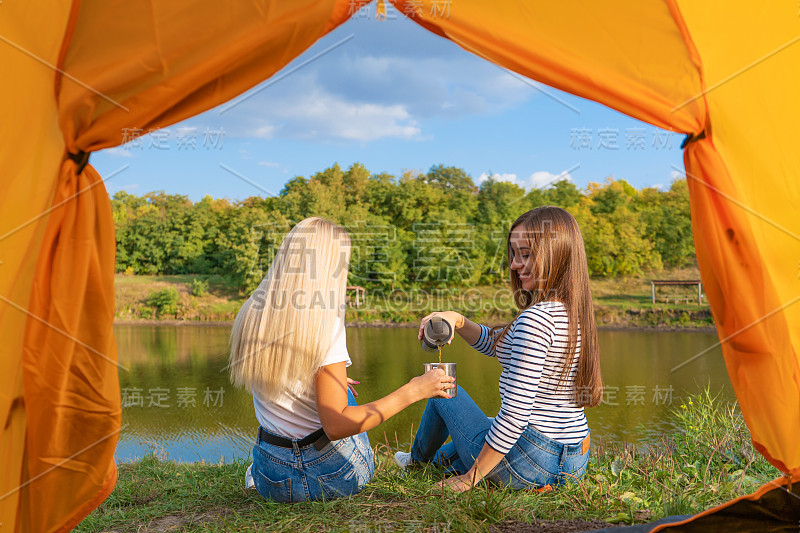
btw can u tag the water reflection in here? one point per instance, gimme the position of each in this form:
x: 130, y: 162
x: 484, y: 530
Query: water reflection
x: 178, y: 398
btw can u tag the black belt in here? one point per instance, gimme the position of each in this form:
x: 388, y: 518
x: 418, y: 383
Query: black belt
x: 318, y: 439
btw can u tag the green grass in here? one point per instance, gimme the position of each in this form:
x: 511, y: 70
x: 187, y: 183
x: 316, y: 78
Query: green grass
x: 708, y: 461
x: 220, y: 302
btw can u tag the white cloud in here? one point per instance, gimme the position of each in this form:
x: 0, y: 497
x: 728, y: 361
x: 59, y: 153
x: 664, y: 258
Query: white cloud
x: 364, y: 94
x: 268, y: 164
x: 451, y: 86
x: 537, y: 180
x: 543, y: 179
x: 320, y: 115
x: 674, y: 175
x: 266, y: 131
x: 338, y: 118
x: 511, y: 178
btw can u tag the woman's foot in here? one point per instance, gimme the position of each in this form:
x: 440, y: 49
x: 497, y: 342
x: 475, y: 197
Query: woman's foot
x: 403, y: 459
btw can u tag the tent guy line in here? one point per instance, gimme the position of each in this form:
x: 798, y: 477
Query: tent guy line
x: 785, y: 489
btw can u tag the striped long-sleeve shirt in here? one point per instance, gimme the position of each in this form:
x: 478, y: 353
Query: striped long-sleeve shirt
x: 532, y: 355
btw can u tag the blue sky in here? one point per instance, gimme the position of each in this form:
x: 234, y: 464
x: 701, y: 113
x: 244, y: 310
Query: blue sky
x: 394, y: 97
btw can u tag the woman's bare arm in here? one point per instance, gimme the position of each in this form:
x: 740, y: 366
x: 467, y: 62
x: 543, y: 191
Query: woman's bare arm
x: 487, y: 459
x: 340, y: 420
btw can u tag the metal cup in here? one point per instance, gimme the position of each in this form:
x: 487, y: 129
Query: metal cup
x: 449, y: 369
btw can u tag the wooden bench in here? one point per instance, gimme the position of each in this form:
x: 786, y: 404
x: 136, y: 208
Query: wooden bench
x: 667, y: 282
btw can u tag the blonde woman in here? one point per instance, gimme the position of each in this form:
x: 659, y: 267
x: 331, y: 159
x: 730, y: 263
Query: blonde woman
x: 288, y: 348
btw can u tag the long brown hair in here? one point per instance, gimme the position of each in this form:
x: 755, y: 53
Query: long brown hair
x: 562, y: 275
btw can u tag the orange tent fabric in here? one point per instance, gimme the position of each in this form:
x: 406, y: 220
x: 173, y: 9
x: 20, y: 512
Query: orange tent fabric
x: 103, y: 69
x: 20, y: 230
x: 744, y: 180
x: 91, y: 70
x: 770, y: 508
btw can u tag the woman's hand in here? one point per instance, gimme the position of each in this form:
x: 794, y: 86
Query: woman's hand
x: 350, y: 385
x: 433, y: 384
x: 455, y: 319
x: 460, y: 483
x: 485, y: 462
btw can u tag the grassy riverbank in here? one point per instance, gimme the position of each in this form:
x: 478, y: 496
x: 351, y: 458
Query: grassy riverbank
x: 708, y: 461
x: 619, y: 302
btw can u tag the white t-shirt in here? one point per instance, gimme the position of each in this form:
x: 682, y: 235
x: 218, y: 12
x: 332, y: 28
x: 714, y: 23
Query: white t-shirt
x: 294, y: 413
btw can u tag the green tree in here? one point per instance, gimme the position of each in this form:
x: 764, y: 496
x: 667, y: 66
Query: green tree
x: 249, y: 235
x: 355, y: 181
x: 452, y: 178
x: 616, y: 194
x: 615, y: 238
x: 295, y: 197
x: 500, y: 203
x: 666, y: 216
x: 379, y: 193
x: 434, y: 229
x: 411, y: 201
x: 165, y: 301
x: 563, y: 193
x: 454, y: 190
x: 326, y: 194
x: 377, y: 258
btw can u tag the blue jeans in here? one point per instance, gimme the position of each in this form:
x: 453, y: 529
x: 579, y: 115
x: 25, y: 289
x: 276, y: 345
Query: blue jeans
x: 340, y: 469
x: 535, y: 460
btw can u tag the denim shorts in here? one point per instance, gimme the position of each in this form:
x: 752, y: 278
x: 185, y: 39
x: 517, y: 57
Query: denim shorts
x: 537, y: 460
x: 341, y: 468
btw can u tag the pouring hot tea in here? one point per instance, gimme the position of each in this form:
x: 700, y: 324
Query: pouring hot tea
x: 435, y: 334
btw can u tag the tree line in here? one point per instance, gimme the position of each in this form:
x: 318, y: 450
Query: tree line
x: 431, y: 230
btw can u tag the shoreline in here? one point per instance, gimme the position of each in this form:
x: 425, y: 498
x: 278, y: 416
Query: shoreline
x: 227, y: 323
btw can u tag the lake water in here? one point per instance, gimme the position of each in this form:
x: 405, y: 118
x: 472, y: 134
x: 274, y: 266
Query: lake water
x: 178, y: 401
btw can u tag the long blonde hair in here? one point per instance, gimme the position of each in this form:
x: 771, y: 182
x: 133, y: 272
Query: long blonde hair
x: 562, y: 275
x: 283, y: 331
